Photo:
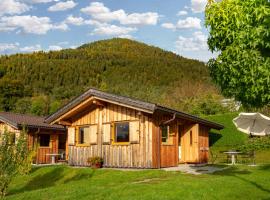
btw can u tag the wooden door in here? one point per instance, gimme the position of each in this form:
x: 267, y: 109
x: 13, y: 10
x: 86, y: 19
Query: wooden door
x: 169, y: 151
x: 190, y: 144
x: 44, y: 149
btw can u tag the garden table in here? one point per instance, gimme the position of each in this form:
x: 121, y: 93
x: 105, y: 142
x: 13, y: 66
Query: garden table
x: 232, y: 154
x: 53, y: 155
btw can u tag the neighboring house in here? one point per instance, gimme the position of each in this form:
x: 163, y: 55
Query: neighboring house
x: 127, y: 132
x: 42, y: 137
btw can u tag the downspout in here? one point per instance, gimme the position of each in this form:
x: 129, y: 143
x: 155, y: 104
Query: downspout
x: 170, y: 120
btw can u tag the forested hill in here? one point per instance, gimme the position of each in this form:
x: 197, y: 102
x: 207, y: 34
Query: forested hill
x: 40, y: 82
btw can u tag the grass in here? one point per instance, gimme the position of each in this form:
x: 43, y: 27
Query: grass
x: 63, y: 182
x: 240, y: 182
x: 229, y: 137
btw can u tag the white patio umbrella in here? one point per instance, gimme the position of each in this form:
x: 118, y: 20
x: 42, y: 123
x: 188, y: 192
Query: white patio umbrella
x: 253, y: 123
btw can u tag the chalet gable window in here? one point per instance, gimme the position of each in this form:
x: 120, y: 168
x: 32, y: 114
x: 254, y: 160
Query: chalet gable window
x: 83, y: 136
x: 121, y: 132
x: 44, y: 140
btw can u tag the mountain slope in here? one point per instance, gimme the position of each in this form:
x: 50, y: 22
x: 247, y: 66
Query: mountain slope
x: 121, y: 66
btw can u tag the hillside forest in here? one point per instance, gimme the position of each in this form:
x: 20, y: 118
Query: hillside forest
x: 41, y: 82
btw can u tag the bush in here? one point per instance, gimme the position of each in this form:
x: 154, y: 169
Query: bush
x: 95, y: 161
x: 15, y: 158
x: 256, y: 143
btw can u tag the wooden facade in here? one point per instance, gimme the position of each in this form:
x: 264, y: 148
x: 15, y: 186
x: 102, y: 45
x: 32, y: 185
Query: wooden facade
x: 33, y: 140
x: 158, y: 136
x: 145, y: 148
x: 137, y: 153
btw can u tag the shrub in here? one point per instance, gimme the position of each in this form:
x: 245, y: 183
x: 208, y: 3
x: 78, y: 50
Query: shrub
x: 256, y: 143
x: 15, y: 158
x: 93, y: 161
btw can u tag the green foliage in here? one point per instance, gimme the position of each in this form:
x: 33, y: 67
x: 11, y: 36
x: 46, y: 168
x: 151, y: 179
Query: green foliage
x: 240, y: 33
x: 208, y: 105
x: 256, y: 143
x: 23, y: 105
x: 10, y: 91
x: 95, y: 160
x: 15, y: 158
x: 120, y: 66
x: 40, y: 105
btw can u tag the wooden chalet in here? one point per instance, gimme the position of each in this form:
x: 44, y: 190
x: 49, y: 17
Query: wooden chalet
x: 130, y: 133
x: 44, y: 138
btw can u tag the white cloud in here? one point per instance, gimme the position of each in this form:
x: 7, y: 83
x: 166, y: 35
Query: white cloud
x: 61, y: 27
x: 126, y: 36
x: 194, y: 47
x: 12, y: 7
x: 103, y: 14
x: 62, y: 6
x: 38, y: 1
x: 197, y: 42
x: 182, y: 12
x: 29, y: 24
x: 6, y: 47
x: 55, y: 48
x: 33, y: 48
x: 112, y: 30
x: 168, y: 26
x: 198, y: 6
x: 189, y: 22
x: 74, y: 20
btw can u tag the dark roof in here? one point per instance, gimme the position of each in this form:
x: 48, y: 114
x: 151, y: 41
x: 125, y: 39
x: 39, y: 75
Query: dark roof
x: 19, y: 120
x: 145, y: 106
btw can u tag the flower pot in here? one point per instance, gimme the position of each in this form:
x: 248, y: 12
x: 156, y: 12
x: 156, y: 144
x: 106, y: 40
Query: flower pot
x: 97, y: 165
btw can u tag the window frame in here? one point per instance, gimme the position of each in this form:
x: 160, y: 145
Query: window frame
x: 78, y: 135
x: 114, y: 128
x: 50, y: 144
x: 169, y: 140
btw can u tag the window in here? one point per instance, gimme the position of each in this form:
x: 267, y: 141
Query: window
x: 121, y: 132
x: 83, y: 137
x: 190, y: 137
x: 165, y: 134
x: 44, y: 140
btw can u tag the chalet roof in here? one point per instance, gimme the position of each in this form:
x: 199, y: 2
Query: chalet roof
x: 141, y: 105
x: 19, y: 120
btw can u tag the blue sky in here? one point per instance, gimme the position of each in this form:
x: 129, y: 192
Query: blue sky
x: 33, y: 25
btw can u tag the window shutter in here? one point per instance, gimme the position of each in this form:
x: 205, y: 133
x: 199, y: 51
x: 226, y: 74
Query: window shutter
x: 106, y: 130
x: 93, y: 134
x: 87, y: 135
x: 134, y: 132
x: 71, y: 136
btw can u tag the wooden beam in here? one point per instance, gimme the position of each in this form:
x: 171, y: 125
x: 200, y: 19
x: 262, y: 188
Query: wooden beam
x: 98, y: 103
x: 64, y: 123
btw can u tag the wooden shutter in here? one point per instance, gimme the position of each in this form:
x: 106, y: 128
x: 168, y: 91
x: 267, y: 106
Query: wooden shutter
x: 87, y: 135
x: 71, y: 135
x: 134, y: 132
x: 93, y: 134
x: 106, y: 136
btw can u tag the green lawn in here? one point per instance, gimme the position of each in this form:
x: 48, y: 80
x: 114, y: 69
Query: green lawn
x: 240, y: 182
x: 229, y: 136
x: 63, y: 182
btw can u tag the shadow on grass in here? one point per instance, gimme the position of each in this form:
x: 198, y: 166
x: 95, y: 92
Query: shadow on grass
x: 213, y: 138
x: 236, y: 173
x: 53, y: 177
x: 265, y: 167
